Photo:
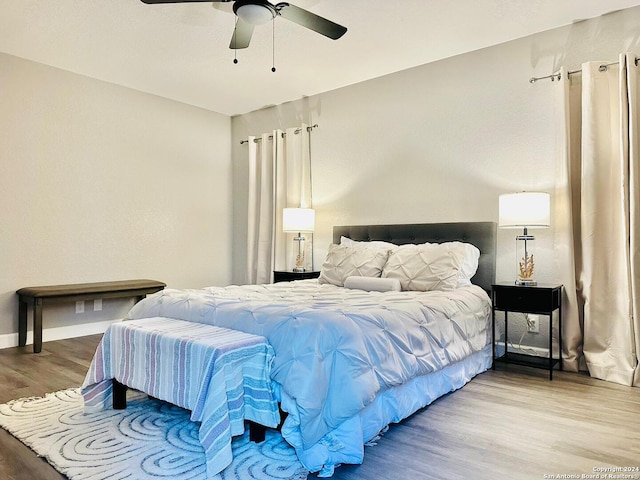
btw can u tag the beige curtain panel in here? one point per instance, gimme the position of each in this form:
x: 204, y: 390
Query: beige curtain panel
x: 596, y: 219
x: 279, y: 177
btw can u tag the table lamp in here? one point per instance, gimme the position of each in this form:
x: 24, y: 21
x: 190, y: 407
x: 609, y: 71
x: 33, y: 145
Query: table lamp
x: 299, y: 221
x: 525, y: 210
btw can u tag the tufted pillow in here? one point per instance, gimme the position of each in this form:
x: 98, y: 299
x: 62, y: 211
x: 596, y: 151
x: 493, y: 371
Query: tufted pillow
x: 347, y: 242
x: 343, y: 262
x: 469, y: 254
x: 429, y: 266
x: 373, y: 284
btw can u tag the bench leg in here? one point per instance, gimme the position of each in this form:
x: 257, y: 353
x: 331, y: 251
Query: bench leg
x: 257, y: 432
x: 119, y: 395
x: 37, y: 325
x: 22, y: 323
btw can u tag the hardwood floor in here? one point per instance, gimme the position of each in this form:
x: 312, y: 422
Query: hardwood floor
x: 61, y: 364
x: 512, y: 423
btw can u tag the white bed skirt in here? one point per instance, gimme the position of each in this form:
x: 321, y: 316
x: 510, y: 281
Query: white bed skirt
x: 390, y: 406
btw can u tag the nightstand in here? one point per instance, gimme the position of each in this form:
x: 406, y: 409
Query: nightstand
x: 541, y: 299
x: 287, y: 276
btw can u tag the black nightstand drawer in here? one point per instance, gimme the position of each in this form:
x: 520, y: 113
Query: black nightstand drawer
x: 527, y: 300
x: 286, y: 276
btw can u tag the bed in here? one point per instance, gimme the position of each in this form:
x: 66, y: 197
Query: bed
x: 350, y: 361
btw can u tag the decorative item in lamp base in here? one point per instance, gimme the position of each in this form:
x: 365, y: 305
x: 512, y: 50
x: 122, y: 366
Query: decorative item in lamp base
x: 299, y: 265
x: 525, y: 271
x: 299, y: 268
x: 525, y: 248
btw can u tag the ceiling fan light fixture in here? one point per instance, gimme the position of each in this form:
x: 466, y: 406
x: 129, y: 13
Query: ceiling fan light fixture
x: 255, y: 14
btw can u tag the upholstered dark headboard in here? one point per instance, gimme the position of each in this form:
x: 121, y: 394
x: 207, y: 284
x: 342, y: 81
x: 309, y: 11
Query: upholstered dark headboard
x: 480, y: 234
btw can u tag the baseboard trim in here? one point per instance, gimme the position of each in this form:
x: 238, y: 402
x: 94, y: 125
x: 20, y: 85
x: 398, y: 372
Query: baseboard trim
x: 9, y: 340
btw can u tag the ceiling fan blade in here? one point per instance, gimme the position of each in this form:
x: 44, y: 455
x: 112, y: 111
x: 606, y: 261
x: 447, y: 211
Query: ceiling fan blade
x: 310, y: 20
x: 241, y: 35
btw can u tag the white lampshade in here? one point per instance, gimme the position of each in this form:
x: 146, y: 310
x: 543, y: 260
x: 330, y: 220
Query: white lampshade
x: 298, y: 220
x: 525, y: 210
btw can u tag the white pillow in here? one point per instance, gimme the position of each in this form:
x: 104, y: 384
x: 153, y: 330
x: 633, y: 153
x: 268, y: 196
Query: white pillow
x: 429, y: 266
x: 467, y: 252
x: 373, y: 284
x: 347, y: 242
x: 470, y: 256
x: 343, y: 262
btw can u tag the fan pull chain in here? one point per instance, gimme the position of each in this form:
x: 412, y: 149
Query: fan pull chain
x: 235, y: 41
x: 273, y: 45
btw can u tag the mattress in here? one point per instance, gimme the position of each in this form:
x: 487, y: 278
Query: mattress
x: 345, y: 357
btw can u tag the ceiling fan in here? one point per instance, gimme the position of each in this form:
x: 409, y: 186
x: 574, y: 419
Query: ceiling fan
x: 250, y: 13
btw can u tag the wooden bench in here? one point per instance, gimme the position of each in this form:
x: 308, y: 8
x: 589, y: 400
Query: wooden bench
x: 37, y: 297
x: 219, y: 374
x: 257, y: 432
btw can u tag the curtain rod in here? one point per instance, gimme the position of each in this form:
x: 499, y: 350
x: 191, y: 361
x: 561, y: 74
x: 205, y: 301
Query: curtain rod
x: 296, y: 132
x: 556, y: 76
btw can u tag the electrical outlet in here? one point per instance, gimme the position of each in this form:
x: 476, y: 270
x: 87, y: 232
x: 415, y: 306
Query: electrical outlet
x: 97, y: 305
x: 533, y: 324
x: 80, y: 306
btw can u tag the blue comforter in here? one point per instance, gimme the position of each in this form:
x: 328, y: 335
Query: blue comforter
x: 336, y: 348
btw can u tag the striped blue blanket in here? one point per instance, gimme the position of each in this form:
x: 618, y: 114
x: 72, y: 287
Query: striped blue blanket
x: 221, y: 375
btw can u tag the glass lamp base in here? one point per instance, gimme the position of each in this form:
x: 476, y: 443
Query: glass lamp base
x: 525, y: 264
x: 299, y: 263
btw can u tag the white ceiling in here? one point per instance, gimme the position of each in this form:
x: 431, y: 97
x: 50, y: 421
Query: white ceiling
x: 180, y: 51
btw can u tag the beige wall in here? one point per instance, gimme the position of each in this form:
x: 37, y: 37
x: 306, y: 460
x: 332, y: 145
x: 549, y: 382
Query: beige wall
x: 438, y: 142
x: 100, y: 182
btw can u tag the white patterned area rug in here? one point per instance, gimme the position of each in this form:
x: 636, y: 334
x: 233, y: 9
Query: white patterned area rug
x: 149, y: 440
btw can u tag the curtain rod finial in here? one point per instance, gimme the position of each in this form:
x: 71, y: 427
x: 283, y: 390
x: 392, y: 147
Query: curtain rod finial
x: 533, y: 80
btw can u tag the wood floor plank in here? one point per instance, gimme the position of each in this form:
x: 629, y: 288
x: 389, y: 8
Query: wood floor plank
x: 512, y: 423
